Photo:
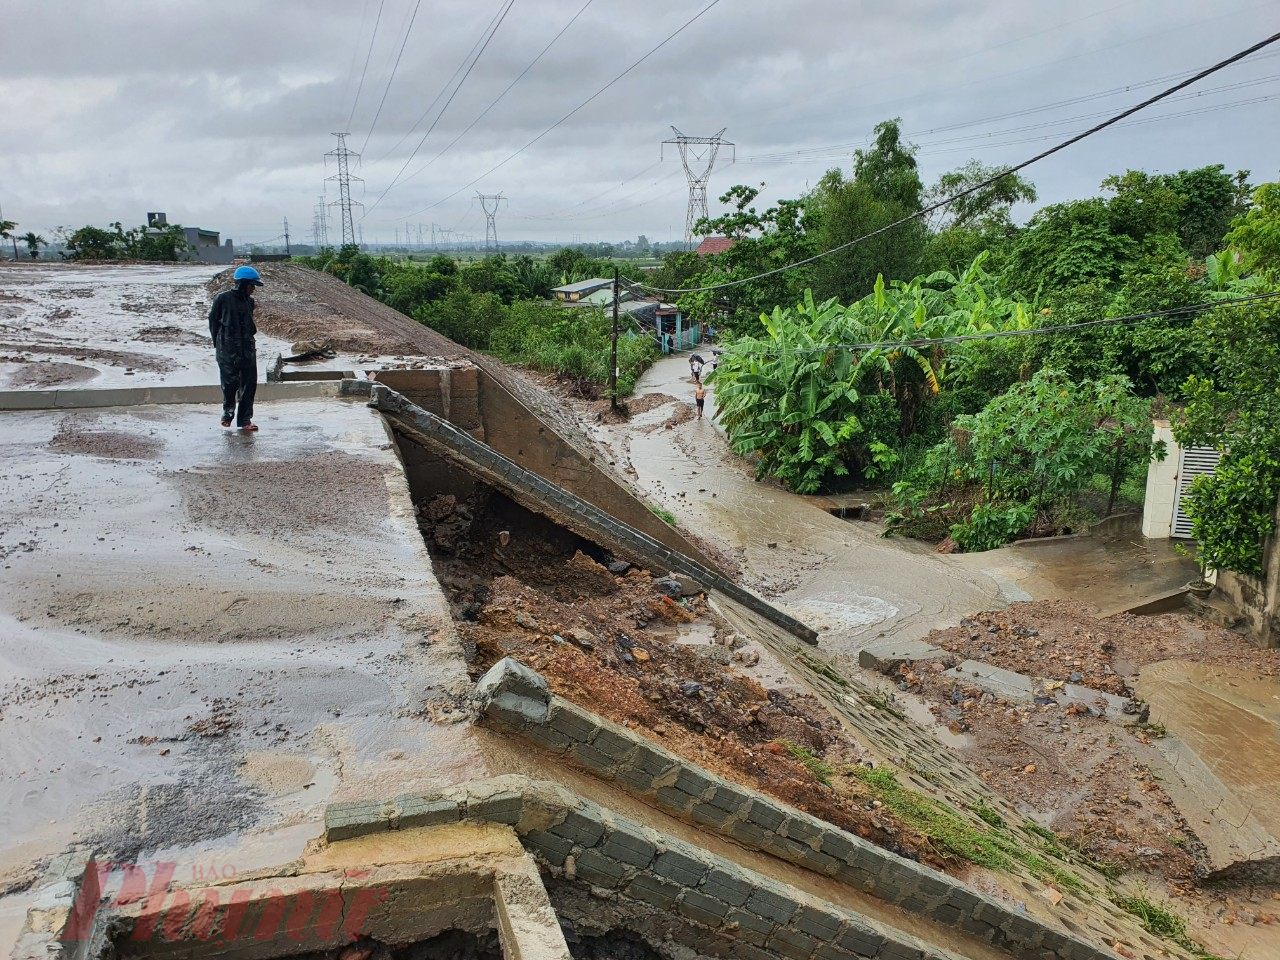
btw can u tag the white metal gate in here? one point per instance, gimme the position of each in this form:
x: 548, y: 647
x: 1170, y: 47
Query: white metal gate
x: 1192, y: 462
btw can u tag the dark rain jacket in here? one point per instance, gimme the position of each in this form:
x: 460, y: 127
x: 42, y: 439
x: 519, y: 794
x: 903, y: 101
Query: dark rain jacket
x: 232, y: 328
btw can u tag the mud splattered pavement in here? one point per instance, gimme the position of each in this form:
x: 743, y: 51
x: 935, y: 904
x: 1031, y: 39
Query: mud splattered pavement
x: 206, y: 635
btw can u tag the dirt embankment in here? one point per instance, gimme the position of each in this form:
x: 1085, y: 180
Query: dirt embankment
x: 609, y: 639
x: 299, y: 304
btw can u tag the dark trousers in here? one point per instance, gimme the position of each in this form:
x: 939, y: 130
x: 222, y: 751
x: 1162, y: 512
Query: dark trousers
x: 239, y: 384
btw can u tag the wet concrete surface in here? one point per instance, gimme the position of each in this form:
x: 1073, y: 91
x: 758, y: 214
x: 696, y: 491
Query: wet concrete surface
x: 1110, y: 571
x: 81, y: 326
x: 1229, y: 718
x: 206, y: 635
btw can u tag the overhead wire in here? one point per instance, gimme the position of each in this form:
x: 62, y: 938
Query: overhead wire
x: 377, y: 20
x: 947, y: 201
x: 502, y: 8
x: 595, y: 196
x: 501, y: 16
x: 507, y: 90
x: 391, y: 79
x: 1003, y: 334
x: 671, y: 36
x: 840, y: 150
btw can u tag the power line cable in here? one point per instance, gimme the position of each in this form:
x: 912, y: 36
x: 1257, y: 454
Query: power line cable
x: 496, y: 99
x: 484, y: 34
x: 840, y: 150
x: 1181, y: 114
x: 1070, y: 141
x: 671, y: 36
x: 1000, y: 334
x: 553, y: 213
x: 502, y: 16
x: 394, y: 67
x: 377, y: 20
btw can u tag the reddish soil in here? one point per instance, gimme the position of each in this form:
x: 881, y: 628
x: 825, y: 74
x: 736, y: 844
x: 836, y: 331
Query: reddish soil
x: 1069, y: 769
x: 521, y: 587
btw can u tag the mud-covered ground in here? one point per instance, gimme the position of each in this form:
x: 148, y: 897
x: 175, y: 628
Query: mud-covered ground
x: 1077, y: 773
x: 612, y: 638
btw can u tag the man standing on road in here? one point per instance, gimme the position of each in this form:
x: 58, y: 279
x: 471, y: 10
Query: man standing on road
x: 232, y: 328
x: 700, y: 397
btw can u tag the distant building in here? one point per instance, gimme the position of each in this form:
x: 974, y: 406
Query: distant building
x: 206, y: 245
x: 713, y: 245
x: 574, y: 292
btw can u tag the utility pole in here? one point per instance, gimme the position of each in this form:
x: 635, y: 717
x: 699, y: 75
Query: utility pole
x: 490, y: 221
x: 698, y: 175
x: 287, y: 251
x: 613, y: 349
x: 344, y: 178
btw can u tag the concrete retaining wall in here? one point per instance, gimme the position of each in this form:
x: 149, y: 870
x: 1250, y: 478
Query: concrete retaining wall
x: 567, y: 509
x: 726, y: 910
x: 517, y: 699
x: 517, y: 433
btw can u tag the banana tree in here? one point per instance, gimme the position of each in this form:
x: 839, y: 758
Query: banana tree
x: 794, y: 395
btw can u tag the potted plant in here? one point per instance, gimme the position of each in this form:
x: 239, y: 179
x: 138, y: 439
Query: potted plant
x: 1201, y: 587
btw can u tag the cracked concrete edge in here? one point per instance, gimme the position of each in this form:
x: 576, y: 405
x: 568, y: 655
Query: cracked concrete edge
x: 528, y: 928
x: 546, y: 498
x: 887, y: 656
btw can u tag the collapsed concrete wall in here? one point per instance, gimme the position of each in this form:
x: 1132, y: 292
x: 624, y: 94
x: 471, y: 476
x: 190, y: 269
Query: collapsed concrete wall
x: 567, y: 509
x: 662, y: 887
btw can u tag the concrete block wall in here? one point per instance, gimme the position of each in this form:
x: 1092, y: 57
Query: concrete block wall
x: 567, y: 509
x: 516, y: 698
x: 725, y: 910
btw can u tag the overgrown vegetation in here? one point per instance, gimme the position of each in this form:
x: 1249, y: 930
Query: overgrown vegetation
x: 956, y: 836
x: 1022, y: 460
x: 499, y: 305
x: 164, y: 244
x: 862, y: 367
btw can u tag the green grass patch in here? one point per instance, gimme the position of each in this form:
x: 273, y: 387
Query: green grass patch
x: 822, y: 668
x: 955, y: 835
x: 987, y: 814
x: 1163, y: 922
x: 666, y: 516
x: 820, y: 770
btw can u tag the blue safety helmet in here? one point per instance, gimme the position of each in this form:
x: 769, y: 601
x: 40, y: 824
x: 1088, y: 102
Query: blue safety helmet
x: 248, y: 273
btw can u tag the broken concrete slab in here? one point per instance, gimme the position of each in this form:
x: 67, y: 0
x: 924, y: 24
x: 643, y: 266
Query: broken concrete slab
x: 886, y: 656
x: 1015, y: 686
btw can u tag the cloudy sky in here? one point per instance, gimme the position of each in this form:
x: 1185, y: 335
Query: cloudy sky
x: 221, y: 114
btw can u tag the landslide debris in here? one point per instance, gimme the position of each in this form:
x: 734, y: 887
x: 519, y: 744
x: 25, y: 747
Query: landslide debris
x: 607, y: 636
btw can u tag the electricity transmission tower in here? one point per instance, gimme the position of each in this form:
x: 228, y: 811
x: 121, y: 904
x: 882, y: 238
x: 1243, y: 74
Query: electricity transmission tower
x: 320, y: 225
x: 698, y: 174
x: 344, y: 178
x: 490, y: 217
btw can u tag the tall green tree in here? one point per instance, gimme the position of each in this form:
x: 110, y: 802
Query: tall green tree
x: 885, y: 187
x: 762, y: 241
x: 1237, y: 411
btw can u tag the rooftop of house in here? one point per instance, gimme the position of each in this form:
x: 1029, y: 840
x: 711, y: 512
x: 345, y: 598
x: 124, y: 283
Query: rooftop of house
x: 713, y: 245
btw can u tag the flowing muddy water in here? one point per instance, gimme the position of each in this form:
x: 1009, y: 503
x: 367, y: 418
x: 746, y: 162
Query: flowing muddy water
x: 1231, y: 719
